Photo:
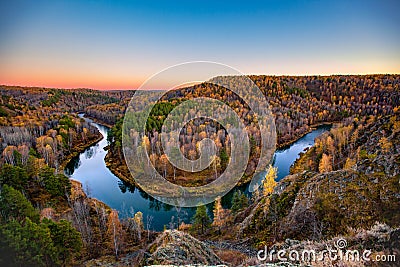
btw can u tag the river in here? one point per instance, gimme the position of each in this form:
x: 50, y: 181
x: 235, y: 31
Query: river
x: 98, y: 182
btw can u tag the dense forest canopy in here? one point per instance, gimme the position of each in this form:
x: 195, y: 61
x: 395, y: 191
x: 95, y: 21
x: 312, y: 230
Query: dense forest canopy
x: 297, y: 103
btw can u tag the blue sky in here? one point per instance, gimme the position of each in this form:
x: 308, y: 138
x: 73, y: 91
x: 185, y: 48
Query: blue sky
x: 118, y: 44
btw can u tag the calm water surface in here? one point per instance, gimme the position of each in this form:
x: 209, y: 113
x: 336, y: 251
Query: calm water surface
x: 285, y: 157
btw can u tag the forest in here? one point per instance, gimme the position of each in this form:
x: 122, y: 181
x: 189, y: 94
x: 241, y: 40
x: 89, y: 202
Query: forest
x: 347, y: 184
x: 297, y: 103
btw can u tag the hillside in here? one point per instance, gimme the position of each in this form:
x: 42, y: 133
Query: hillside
x: 311, y: 205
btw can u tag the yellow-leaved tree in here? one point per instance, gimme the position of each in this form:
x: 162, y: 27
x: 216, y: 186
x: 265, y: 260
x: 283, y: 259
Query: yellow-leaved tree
x: 269, y: 182
x: 220, y: 214
x: 325, y: 165
x: 268, y: 186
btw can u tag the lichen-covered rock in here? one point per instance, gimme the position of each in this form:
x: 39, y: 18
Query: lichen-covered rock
x: 173, y: 247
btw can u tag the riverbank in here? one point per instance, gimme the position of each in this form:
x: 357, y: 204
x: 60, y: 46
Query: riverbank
x: 78, y: 149
x: 118, y: 167
x: 298, y: 137
x: 113, y: 162
x: 98, y: 121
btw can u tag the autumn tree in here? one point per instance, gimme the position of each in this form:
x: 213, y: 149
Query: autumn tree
x: 82, y: 220
x: 115, y: 233
x: 349, y: 163
x: 8, y: 155
x: 149, y: 220
x: 102, y: 217
x: 219, y: 214
x: 325, y: 165
x: 164, y: 161
x: 269, y: 182
x: 217, y: 165
x: 385, y: 144
x: 24, y: 153
x: 256, y: 194
x: 330, y: 143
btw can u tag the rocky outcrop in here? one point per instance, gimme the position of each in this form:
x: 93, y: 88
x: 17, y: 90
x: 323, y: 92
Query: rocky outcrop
x: 173, y: 247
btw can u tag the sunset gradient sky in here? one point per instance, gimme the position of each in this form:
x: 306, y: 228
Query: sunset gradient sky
x: 118, y: 44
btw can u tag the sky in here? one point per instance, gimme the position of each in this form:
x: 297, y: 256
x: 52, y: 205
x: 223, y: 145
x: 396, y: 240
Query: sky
x: 119, y: 44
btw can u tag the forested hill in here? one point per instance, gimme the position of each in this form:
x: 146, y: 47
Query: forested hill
x: 44, y: 219
x: 34, y: 105
x: 46, y: 120
x: 297, y: 102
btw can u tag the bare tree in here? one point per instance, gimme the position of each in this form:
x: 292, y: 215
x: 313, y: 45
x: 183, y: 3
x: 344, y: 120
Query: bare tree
x: 138, y: 224
x: 82, y: 221
x: 149, y: 220
x: 115, y: 232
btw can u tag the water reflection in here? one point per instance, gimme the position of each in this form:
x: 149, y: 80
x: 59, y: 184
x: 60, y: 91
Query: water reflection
x: 72, y: 165
x: 124, y: 186
x: 285, y: 157
x: 91, y: 151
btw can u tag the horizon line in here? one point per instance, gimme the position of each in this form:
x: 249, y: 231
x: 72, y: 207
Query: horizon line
x: 190, y: 83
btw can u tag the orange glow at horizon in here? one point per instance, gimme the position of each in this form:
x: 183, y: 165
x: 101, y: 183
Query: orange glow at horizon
x: 74, y: 85
x: 70, y: 82
x: 103, y: 80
